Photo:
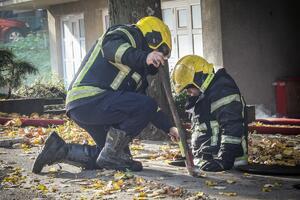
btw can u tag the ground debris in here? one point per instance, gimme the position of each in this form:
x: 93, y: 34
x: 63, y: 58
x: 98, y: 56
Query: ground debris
x: 276, y: 149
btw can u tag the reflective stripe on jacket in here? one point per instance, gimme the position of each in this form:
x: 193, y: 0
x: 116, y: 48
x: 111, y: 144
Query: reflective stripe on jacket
x: 219, y: 119
x: 116, y: 62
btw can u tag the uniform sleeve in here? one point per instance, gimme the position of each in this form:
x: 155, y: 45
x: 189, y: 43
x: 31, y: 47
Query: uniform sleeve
x: 229, y: 112
x: 118, y: 46
x: 162, y: 121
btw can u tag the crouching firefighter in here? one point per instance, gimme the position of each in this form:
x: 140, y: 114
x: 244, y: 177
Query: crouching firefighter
x: 217, y: 110
x: 107, y: 97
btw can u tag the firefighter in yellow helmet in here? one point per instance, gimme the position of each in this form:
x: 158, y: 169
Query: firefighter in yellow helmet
x: 217, y: 110
x: 107, y: 97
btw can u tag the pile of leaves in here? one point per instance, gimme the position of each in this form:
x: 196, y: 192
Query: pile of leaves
x: 33, y: 116
x: 36, y: 136
x: 43, y: 89
x: 13, y: 179
x: 137, y: 186
x: 275, y: 149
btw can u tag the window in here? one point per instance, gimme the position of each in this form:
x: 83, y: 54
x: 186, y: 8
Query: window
x: 196, y: 16
x: 182, y: 18
x: 167, y: 17
x: 185, y: 23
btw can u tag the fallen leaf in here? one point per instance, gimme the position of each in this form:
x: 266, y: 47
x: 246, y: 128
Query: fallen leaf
x: 229, y: 194
x: 210, y: 183
x: 134, y: 147
x: 139, y: 180
x: 42, y: 187
x: 247, y: 175
x: 137, y: 197
x: 53, y: 170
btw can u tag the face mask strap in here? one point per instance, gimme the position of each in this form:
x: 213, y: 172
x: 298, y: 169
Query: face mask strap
x: 207, y: 81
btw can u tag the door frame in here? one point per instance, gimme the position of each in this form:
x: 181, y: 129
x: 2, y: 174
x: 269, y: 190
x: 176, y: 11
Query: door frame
x: 70, y: 18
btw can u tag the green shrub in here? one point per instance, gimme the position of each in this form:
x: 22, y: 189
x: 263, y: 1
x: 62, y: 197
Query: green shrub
x: 13, y: 71
x: 34, y: 49
x: 180, y: 100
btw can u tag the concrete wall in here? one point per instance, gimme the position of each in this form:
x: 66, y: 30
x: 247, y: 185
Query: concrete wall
x: 260, y: 41
x: 212, y: 37
x: 92, y: 11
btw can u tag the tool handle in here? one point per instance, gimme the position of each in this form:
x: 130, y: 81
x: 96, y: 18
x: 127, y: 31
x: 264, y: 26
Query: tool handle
x: 183, y: 142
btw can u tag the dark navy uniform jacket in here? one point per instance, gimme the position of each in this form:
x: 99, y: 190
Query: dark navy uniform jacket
x: 117, y: 62
x: 219, y: 119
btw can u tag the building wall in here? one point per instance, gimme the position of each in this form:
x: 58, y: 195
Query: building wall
x: 260, y: 41
x: 92, y: 11
x: 212, y: 37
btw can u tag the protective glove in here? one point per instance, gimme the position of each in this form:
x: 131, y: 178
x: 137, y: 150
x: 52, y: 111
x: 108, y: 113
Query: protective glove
x: 216, y: 165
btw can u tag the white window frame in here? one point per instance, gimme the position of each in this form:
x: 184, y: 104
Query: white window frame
x: 81, y: 51
x: 189, y: 30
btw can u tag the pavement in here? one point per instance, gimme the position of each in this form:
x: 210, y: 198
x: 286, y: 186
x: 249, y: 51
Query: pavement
x: 69, y: 182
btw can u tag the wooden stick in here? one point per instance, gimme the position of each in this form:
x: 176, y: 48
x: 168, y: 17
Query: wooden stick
x: 183, y: 142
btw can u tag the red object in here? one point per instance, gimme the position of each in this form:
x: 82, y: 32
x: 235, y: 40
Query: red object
x: 287, y: 93
x: 284, y: 129
x: 35, y: 122
x: 283, y: 121
x: 11, y: 29
x: 281, y: 103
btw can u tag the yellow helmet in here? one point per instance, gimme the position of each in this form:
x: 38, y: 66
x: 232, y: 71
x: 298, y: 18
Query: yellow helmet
x: 192, y: 70
x: 157, y: 34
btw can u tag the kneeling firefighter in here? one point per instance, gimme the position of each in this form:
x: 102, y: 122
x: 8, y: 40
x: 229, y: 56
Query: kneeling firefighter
x: 217, y: 111
x: 107, y: 97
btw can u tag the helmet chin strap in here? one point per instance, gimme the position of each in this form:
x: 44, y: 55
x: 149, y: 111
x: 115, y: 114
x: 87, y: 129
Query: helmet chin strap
x: 207, y: 81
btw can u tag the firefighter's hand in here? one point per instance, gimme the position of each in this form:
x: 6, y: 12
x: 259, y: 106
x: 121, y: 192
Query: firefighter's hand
x: 155, y: 58
x: 174, y: 134
x: 216, y: 165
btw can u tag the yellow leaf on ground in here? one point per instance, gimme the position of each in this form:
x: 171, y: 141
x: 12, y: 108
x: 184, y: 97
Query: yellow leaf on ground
x: 134, y: 147
x: 229, y: 194
x: 53, y: 170
x: 200, y: 194
x: 119, y: 175
x: 42, y: 187
x: 139, y: 180
x: 140, y: 196
x: 210, y: 183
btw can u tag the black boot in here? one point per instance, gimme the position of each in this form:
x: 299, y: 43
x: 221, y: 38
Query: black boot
x: 113, y: 155
x: 83, y: 156
x: 135, y: 165
x: 53, y: 151
x: 56, y: 150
